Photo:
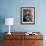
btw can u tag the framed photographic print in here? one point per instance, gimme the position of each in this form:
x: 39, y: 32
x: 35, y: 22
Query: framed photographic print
x: 27, y: 15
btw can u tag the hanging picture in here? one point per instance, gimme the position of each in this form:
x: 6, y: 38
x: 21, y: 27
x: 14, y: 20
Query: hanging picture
x: 27, y: 15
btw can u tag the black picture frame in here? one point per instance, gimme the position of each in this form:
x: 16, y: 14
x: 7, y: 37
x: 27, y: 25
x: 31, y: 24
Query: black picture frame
x: 27, y: 15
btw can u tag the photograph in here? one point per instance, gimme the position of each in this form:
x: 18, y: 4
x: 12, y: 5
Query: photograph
x: 27, y: 15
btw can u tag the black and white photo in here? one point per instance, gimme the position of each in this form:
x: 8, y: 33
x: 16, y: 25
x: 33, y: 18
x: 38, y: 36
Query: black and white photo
x: 27, y: 15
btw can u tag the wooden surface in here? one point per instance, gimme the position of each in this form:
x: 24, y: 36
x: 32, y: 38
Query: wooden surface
x: 33, y: 43
x: 20, y: 39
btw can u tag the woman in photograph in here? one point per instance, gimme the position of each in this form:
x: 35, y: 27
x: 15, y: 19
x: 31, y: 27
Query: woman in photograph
x: 27, y: 16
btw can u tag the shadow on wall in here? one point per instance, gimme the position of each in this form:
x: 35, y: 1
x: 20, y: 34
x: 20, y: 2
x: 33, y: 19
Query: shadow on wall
x: 2, y: 21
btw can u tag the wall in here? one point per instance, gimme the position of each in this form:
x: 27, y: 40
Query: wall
x: 11, y: 8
